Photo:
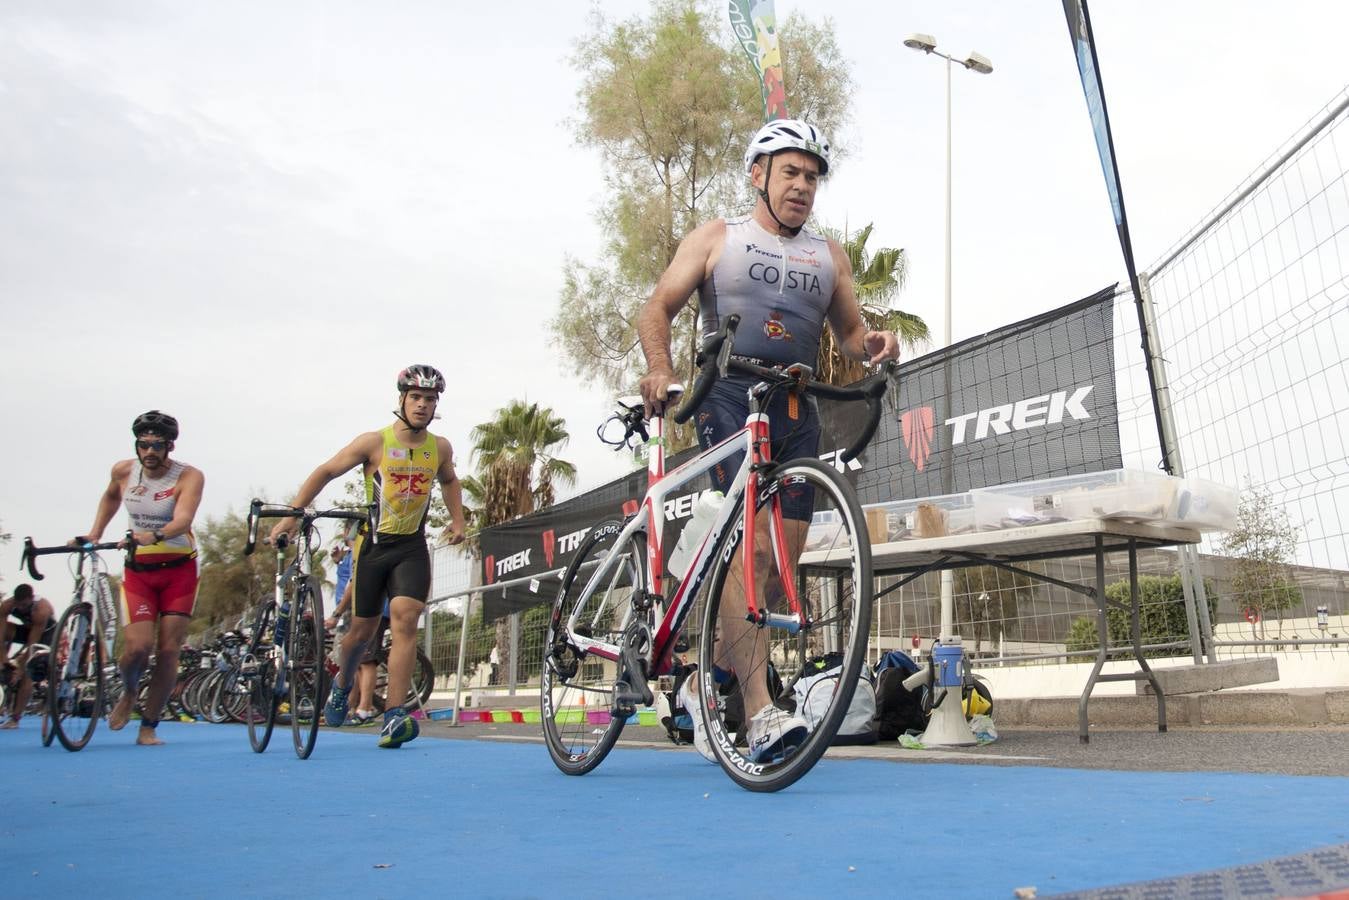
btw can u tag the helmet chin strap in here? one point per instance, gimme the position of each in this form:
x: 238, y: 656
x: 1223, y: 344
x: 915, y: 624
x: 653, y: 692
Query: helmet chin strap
x: 768, y: 204
x: 402, y: 404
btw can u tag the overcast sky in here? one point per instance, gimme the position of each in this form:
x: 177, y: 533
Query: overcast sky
x: 252, y: 215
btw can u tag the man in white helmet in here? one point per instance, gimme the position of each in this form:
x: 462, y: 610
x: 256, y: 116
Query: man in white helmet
x: 785, y: 282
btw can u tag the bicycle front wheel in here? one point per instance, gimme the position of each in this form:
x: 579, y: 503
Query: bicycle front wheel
x: 306, y: 667
x: 577, y: 688
x: 259, y: 676
x: 75, y: 678
x: 811, y: 537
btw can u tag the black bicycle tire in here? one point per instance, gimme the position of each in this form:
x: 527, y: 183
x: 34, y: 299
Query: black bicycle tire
x: 306, y: 665
x: 423, y: 673
x: 563, y: 755
x: 262, y: 701
x: 741, y: 770
x: 74, y: 742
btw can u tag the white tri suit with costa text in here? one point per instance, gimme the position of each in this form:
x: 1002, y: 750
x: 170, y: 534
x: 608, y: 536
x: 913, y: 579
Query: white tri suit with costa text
x: 781, y: 287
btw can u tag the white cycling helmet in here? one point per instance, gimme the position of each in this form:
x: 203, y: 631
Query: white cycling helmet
x: 788, y: 134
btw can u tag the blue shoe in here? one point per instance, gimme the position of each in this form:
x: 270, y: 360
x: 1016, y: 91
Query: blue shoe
x: 335, y: 713
x: 399, y: 728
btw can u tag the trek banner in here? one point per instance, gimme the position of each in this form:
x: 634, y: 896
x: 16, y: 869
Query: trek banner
x: 1035, y: 399
x: 756, y: 28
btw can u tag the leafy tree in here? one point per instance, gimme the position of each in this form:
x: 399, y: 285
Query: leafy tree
x: 987, y: 597
x: 1262, y: 546
x: 1161, y: 613
x: 669, y: 101
x: 231, y: 583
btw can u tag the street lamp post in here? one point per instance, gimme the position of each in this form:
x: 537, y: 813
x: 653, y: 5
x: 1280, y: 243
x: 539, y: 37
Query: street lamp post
x: 953, y: 732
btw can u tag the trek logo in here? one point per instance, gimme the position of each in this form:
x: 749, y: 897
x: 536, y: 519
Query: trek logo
x: 567, y: 543
x: 805, y: 282
x: 410, y: 484
x: 916, y: 427
x: 511, y: 563
x: 1032, y: 412
x: 682, y: 507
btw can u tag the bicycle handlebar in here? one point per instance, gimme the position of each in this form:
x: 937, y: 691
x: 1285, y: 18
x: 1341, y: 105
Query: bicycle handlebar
x: 715, y: 360
x: 258, y: 510
x: 31, y: 551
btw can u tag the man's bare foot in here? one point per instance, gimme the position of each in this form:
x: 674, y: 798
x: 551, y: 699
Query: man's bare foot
x: 12, y: 723
x: 148, y: 738
x: 121, y: 713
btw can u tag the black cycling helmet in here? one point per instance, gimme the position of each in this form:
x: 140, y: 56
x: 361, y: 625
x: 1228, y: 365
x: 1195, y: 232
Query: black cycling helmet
x: 421, y: 376
x: 156, y: 422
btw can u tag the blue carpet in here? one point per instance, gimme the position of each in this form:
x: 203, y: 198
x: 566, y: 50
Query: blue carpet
x: 206, y: 817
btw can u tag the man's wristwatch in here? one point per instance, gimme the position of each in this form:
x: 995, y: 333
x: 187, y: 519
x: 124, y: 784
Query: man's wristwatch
x: 159, y: 537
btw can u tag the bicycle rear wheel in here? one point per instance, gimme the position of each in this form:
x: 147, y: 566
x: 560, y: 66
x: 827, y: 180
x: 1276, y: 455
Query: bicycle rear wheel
x: 306, y: 667
x: 75, y: 678
x: 419, y: 692
x: 825, y: 529
x: 577, y: 689
x: 259, y: 666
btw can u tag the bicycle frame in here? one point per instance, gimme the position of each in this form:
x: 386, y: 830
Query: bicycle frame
x: 105, y: 620
x: 288, y: 576
x: 753, y: 440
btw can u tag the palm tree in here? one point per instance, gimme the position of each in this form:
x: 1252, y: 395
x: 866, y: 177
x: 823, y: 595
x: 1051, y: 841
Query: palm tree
x: 877, y: 278
x: 516, y: 469
x: 517, y: 474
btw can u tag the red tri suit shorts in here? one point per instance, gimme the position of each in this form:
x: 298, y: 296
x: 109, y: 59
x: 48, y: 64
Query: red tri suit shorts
x: 147, y: 595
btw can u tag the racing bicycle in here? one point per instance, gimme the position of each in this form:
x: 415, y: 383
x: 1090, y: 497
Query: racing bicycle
x: 804, y: 591
x: 285, y: 648
x: 80, y: 673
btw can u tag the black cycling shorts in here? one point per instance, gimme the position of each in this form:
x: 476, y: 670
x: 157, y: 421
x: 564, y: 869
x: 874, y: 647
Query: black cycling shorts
x: 723, y: 413
x: 399, y: 565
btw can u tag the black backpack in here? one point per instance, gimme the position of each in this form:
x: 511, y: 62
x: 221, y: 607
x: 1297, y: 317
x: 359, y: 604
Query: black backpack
x: 898, y: 710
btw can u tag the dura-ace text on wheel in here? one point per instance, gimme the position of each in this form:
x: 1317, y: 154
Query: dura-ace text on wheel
x: 833, y: 587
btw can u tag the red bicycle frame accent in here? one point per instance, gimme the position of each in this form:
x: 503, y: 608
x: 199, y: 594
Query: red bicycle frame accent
x: 753, y: 439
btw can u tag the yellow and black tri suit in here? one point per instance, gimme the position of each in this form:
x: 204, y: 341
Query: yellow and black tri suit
x: 393, y: 560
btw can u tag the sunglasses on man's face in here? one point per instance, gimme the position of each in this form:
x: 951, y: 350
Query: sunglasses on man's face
x: 157, y: 446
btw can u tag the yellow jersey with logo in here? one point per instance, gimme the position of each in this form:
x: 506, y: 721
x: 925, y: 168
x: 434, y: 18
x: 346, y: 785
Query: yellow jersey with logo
x: 399, y: 489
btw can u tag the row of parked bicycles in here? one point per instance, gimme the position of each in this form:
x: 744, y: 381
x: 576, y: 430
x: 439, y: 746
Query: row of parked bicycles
x: 275, y: 668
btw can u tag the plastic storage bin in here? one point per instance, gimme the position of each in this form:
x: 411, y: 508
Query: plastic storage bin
x: 1124, y: 494
x: 1207, y: 505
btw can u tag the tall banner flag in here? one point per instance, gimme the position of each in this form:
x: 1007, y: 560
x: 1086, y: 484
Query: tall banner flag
x: 756, y: 27
x: 1084, y: 49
